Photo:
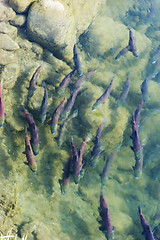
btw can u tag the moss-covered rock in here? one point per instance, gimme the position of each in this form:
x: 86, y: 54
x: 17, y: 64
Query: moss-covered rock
x: 20, y: 6
x: 8, y: 76
x: 51, y: 24
x: 8, y: 29
x: 6, y: 12
x: 7, y: 57
x: 19, y: 20
x: 6, y: 43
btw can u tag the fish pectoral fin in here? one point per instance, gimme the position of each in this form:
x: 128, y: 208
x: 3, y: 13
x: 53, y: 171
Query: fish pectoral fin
x: 132, y: 148
x: 113, y: 228
x: 133, y: 167
x: 26, y: 163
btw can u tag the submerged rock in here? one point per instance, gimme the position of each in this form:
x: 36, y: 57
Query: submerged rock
x: 20, y: 5
x: 51, y: 24
x: 19, y: 20
x: 8, y: 29
x: 7, y: 43
x: 10, y: 74
x: 6, y: 12
x: 7, y: 57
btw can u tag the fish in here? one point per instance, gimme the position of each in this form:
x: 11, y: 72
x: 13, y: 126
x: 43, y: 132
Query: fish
x: 97, y: 146
x: 144, y: 90
x: 137, y: 112
x: 104, y: 174
x: 64, y: 126
x: 33, y: 82
x: 74, y: 157
x: 76, y: 60
x: 101, y: 100
x: 69, y: 104
x: 29, y: 154
x: 147, y: 232
x: 64, y: 182
x: 56, y: 115
x: 77, y: 165
x: 132, y: 44
x: 65, y: 82
x: 2, y: 113
x: 124, y: 92
x: 33, y: 131
x: 79, y: 82
x: 123, y: 53
x: 107, y: 227
x: 137, y: 149
x: 43, y: 110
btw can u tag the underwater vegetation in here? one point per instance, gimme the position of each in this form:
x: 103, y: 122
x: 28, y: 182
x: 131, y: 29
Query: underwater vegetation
x: 88, y: 125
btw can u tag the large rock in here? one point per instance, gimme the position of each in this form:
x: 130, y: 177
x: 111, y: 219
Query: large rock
x: 19, y: 20
x: 8, y: 29
x: 7, y: 57
x: 7, y: 43
x: 10, y: 74
x: 20, y: 5
x: 51, y: 24
x: 6, y: 12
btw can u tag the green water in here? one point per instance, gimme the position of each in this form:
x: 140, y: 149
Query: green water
x: 31, y: 203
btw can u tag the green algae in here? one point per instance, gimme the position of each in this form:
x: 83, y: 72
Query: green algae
x: 39, y: 210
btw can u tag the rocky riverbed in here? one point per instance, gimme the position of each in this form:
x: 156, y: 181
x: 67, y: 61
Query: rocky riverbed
x: 43, y: 33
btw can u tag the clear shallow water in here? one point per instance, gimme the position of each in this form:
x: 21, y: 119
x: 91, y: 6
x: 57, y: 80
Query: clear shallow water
x: 32, y: 204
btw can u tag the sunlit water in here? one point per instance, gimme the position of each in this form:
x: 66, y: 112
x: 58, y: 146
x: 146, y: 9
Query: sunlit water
x: 32, y: 203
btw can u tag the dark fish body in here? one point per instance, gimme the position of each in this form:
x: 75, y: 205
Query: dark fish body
x: 56, y: 115
x: 107, y: 227
x: 43, y: 110
x: 78, y: 164
x: 137, y: 149
x: 33, y: 131
x: 76, y: 60
x: 2, y: 114
x: 132, y: 44
x: 123, y: 52
x: 75, y: 161
x: 104, y: 174
x: 104, y: 96
x: 65, y: 82
x: 144, y: 90
x: 69, y: 104
x: 64, y: 183
x: 79, y: 82
x: 29, y: 154
x: 147, y: 232
x: 33, y: 82
x: 97, y: 146
x: 125, y: 91
x: 63, y: 128
x: 137, y: 112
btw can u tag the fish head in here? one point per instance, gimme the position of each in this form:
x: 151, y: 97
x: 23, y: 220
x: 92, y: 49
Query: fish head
x: 77, y: 179
x: 43, y: 118
x: 35, y: 149
x: 94, y: 106
x: 53, y: 129
x: 33, y: 168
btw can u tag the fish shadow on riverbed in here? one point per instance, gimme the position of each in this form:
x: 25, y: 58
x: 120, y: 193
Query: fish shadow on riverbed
x: 71, y: 222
